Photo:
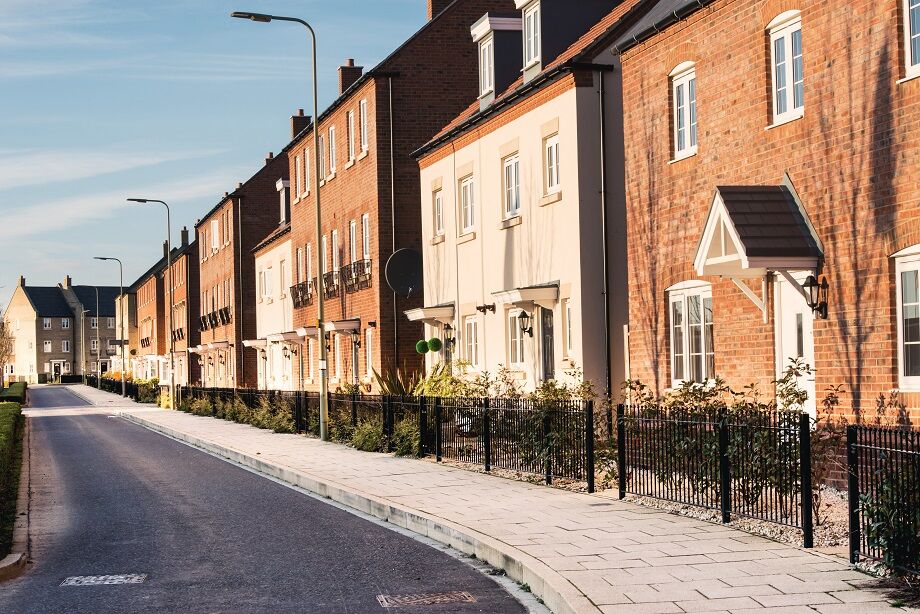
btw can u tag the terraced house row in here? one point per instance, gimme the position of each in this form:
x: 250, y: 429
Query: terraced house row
x: 663, y: 190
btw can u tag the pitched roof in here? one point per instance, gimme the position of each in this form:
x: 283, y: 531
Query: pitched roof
x: 87, y: 296
x: 575, y: 54
x: 769, y: 222
x: 48, y: 301
x: 277, y: 233
x: 657, y: 18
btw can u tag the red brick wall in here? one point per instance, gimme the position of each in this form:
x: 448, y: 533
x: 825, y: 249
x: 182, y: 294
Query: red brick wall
x: 150, y: 304
x: 853, y: 158
x: 434, y: 78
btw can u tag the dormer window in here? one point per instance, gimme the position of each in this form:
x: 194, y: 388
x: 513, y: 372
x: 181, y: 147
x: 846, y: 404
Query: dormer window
x: 284, y: 194
x: 532, y: 34
x: 486, y: 66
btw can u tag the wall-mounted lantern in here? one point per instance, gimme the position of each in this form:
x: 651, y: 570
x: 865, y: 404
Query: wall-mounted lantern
x: 816, y: 295
x: 524, y: 321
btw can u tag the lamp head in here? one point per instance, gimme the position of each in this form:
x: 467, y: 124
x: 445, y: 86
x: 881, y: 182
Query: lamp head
x: 260, y: 17
x: 811, y: 289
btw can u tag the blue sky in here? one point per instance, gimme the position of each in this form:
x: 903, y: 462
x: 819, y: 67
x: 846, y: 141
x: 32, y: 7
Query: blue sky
x: 106, y: 99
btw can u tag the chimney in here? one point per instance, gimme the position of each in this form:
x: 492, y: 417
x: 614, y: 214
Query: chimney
x: 22, y: 281
x: 299, y: 122
x: 436, y: 6
x: 348, y: 74
x: 184, y: 236
x: 268, y: 159
x: 67, y: 281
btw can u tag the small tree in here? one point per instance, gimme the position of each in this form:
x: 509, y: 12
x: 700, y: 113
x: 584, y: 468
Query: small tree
x: 6, y: 346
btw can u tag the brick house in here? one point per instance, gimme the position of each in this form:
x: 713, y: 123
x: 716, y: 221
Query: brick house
x: 55, y: 330
x: 523, y: 205
x: 186, y: 310
x: 149, y: 356
x: 769, y: 141
x: 370, y: 194
x: 226, y: 236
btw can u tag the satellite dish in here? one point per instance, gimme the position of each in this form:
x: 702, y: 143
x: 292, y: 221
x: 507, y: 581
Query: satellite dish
x: 404, y: 272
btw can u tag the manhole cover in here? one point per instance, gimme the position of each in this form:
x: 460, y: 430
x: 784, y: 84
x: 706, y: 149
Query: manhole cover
x: 395, y: 601
x: 127, y: 578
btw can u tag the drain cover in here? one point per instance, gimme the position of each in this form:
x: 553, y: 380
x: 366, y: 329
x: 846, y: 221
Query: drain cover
x: 128, y: 578
x: 395, y: 601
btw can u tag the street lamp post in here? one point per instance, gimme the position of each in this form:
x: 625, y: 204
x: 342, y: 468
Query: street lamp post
x: 121, y: 298
x: 320, y: 315
x: 98, y: 345
x: 83, y: 343
x: 172, y: 340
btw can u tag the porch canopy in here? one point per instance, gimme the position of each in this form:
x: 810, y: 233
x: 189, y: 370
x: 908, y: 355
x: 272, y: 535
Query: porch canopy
x: 545, y: 295
x: 755, y: 230
x: 307, y: 331
x: 255, y: 343
x: 752, y: 230
x: 351, y: 325
x: 438, y: 314
x: 288, y: 337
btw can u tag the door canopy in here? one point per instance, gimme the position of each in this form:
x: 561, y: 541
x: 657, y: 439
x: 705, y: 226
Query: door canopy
x: 752, y: 230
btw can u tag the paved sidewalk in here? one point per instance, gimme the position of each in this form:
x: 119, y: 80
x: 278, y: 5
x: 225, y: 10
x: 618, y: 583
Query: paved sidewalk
x: 580, y: 553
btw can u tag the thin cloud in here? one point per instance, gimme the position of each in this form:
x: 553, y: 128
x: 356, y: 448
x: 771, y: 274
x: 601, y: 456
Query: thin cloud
x: 25, y: 168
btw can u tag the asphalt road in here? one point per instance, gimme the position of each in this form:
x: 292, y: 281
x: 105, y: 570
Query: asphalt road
x: 110, y: 497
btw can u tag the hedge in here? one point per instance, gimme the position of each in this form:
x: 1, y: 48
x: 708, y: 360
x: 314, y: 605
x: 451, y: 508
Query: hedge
x: 10, y: 421
x: 16, y: 393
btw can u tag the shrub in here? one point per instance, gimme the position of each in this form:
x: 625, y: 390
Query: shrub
x: 406, y: 438
x: 10, y: 421
x: 16, y: 393
x: 340, y: 428
x: 892, y: 521
x: 368, y: 437
x: 201, y: 407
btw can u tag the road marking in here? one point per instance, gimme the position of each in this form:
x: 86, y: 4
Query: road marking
x: 396, y: 601
x: 128, y: 578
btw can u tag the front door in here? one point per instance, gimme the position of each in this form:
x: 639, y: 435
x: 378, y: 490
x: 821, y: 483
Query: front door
x: 547, y: 335
x: 57, y: 368
x: 794, y: 335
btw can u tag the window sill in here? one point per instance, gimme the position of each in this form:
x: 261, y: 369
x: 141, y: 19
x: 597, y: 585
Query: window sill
x: 437, y: 240
x: 510, y: 222
x: 786, y: 120
x: 549, y: 199
x: 349, y: 164
x: 322, y: 182
x: 910, y: 76
x: 330, y: 177
x: 363, y: 154
x: 683, y: 156
x: 466, y: 237
x: 486, y: 94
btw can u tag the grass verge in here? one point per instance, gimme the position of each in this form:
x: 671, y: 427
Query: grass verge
x: 11, y: 423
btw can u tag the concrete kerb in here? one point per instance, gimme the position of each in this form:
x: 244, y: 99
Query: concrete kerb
x: 557, y: 593
x: 14, y: 563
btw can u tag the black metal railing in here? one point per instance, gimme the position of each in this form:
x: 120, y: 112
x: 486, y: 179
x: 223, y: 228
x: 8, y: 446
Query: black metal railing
x: 755, y: 464
x: 357, y: 275
x: 884, y: 496
x: 331, y: 284
x: 302, y: 293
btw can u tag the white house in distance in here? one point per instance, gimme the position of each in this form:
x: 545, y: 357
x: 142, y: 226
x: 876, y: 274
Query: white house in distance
x: 522, y: 192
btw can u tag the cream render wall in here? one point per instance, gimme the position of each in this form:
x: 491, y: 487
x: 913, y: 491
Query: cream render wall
x: 544, y: 246
x: 275, y: 314
x: 21, y: 320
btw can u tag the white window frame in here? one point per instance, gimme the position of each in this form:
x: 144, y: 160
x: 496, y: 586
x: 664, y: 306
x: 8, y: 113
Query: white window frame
x: 309, y: 262
x: 332, y: 150
x: 353, y: 241
x: 684, y: 120
x: 323, y: 257
x: 337, y: 345
x: 47, y: 347
x: 532, y: 35
x: 910, y: 262
x: 368, y: 352
x: 471, y: 340
x: 93, y: 344
x: 362, y: 124
x: 486, y: 66
x: 350, y: 128
x: 215, y: 235
x: 94, y: 323
x: 467, y: 205
x: 297, y: 179
x: 334, y: 239
x: 65, y: 345
x: 682, y: 294
x: 65, y: 323
x: 322, y: 157
x: 783, y: 28
x: 911, y: 63
x: 366, y: 235
x: 300, y: 269
x: 551, y: 166
x: 306, y: 172
x: 110, y: 322
x: 46, y: 323
x: 511, y: 186
x: 515, y: 339
x: 437, y: 205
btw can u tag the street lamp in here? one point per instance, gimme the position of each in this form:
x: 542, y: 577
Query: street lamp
x: 172, y: 341
x: 121, y: 298
x: 320, y: 315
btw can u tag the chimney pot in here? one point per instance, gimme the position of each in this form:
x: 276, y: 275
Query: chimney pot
x: 22, y: 281
x: 349, y: 74
x: 67, y: 281
x: 239, y: 185
x: 299, y: 122
x: 226, y: 194
x: 184, y: 236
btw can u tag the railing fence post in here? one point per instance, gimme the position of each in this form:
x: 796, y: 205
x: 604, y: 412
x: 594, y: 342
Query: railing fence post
x: 548, y: 446
x: 437, y: 429
x: 589, y: 444
x: 621, y: 450
x: 725, y: 478
x: 609, y: 413
x: 487, y: 435
x: 853, y: 491
x: 806, y: 485
x: 354, y: 409
x: 422, y: 426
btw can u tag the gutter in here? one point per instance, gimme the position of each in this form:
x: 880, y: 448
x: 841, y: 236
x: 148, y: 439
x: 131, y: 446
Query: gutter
x: 657, y: 27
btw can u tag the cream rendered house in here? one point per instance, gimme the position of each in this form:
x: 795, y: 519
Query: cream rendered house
x: 521, y: 194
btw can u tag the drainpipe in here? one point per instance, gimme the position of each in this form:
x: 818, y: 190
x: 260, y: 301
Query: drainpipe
x: 601, y: 99
x: 393, y: 219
